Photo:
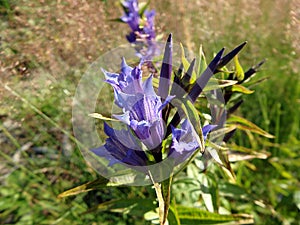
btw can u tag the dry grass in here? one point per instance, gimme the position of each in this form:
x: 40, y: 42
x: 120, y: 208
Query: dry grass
x: 63, y: 35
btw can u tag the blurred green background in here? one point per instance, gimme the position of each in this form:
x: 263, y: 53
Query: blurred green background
x: 45, y: 47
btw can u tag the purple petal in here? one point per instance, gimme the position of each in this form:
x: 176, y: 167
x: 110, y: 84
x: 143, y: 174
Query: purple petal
x: 119, y: 146
x: 148, y: 87
x: 167, y: 101
x: 124, y: 67
x: 206, y: 129
x: 184, y: 141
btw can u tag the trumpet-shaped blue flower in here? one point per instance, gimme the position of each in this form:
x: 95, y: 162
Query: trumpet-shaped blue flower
x: 121, y: 146
x: 131, y: 16
x: 142, y: 28
x: 141, y: 106
x: 184, y: 141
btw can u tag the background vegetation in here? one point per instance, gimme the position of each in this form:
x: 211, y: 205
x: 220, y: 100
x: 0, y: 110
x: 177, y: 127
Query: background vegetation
x: 45, y: 47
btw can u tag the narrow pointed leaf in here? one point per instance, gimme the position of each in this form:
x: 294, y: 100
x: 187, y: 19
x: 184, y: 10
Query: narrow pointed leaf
x: 243, y: 124
x: 234, y: 107
x: 119, y: 20
x: 201, y: 62
x: 142, y: 7
x: 101, y: 117
x: 239, y: 72
x: 187, y: 65
x: 166, y: 192
x: 256, y: 82
x: 173, y: 217
x: 241, y: 89
x: 214, y: 84
x: 186, y: 80
x: 206, y: 75
x: 136, y: 206
x: 237, y: 156
x: 93, y: 185
x: 253, y: 70
x: 184, y: 60
x: 193, y: 216
x: 166, y: 69
x: 227, y: 58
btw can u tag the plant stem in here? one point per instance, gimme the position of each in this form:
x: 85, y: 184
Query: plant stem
x: 161, y: 202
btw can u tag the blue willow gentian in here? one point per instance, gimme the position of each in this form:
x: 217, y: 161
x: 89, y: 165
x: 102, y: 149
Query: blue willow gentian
x: 142, y: 27
x: 144, y: 119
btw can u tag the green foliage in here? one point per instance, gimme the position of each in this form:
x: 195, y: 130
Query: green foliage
x: 197, y: 216
x: 4, y: 5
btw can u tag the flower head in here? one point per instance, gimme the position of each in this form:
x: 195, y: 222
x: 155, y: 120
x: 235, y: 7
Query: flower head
x: 145, y: 119
x: 121, y: 146
x: 141, y: 106
x: 142, y: 29
x: 184, y: 141
x: 142, y: 26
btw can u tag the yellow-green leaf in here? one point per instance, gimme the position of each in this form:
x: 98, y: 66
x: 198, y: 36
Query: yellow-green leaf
x: 186, y: 64
x: 193, y: 216
x: 101, y: 117
x: 215, y: 83
x: 201, y: 62
x: 241, y: 89
x: 243, y: 124
x: 89, y: 186
x: 239, y: 72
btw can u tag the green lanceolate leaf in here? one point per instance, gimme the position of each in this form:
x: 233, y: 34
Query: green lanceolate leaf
x: 195, y: 216
x: 134, y: 206
x: 101, y: 117
x: 214, y: 84
x: 239, y: 72
x: 202, y: 65
x: 241, y: 89
x: 173, y: 217
x: 186, y: 64
x: 193, y: 116
x: 96, y: 184
x: 243, y: 124
x: 228, y: 57
x: 117, y: 20
x: 166, y: 192
x: 142, y: 7
x: 234, y: 191
x: 241, y: 153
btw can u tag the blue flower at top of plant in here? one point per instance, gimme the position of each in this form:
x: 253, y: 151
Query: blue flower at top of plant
x: 149, y: 28
x: 127, y: 81
x: 141, y: 106
x: 142, y: 26
x: 131, y: 16
x: 142, y: 29
x: 143, y: 116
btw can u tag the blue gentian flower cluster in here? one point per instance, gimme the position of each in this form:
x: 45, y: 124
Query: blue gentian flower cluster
x: 145, y: 116
x: 142, y: 28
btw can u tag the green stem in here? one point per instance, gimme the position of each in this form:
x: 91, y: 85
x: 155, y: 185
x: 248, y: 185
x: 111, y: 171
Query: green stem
x: 166, y: 193
x: 161, y: 202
